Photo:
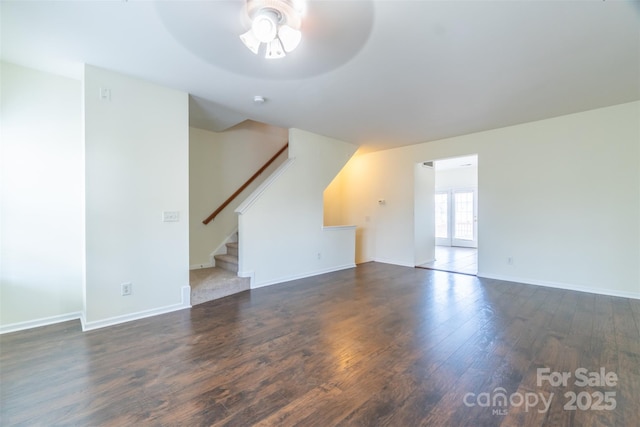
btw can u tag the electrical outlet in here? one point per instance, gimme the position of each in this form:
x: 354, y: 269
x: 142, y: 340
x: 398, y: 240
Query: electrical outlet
x: 510, y: 260
x: 126, y: 289
x: 319, y: 255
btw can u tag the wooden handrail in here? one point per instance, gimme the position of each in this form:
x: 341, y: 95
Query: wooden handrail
x: 245, y: 185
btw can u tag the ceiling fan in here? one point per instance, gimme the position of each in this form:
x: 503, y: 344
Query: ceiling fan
x: 274, y: 23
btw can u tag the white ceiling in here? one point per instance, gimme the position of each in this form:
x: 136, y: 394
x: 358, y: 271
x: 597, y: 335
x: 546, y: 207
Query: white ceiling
x: 379, y: 73
x: 456, y: 163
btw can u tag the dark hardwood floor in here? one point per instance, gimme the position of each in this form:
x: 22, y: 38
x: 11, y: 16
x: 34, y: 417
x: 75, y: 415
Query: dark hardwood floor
x: 371, y: 346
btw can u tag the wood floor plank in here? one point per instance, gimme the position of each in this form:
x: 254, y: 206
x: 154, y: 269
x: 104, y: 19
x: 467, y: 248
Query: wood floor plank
x: 377, y: 345
x: 623, y: 318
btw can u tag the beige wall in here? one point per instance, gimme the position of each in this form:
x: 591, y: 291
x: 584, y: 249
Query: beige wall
x: 559, y: 196
x: 42, y: 226
x: 219, y: 163
x: 137, y: 167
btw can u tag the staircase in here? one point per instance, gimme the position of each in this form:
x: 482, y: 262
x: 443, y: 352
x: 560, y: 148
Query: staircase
x: 228, y: 261
x: 208, y: 284
x: 212, y: 283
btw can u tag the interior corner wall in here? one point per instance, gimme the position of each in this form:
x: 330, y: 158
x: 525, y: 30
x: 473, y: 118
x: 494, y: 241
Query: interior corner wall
x: 358, y: 204
x: 136, y: 145
x: 41, y: 233
x: 332, y: 202
x: 379, y: 197
x: 561, y: 197
x: 219, y: 164
x: 281, y: 234
x: 335, y: 211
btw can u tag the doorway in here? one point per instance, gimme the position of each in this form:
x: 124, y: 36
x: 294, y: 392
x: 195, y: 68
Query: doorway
x: 456, y: 215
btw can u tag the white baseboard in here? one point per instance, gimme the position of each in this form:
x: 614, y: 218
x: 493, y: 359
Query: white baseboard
x: 425, y: 262
x: 45, y: 321
x: 200, y: 266
x: 186, y: 303
x: 186, y: 296
x: 558, y: 285
x: 297, y: 276
x: 250, y: 274
x: 394, y: 262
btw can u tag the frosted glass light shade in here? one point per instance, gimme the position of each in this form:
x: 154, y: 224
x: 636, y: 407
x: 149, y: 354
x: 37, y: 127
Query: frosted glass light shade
x: 289, y: 37
x: 250, y: 41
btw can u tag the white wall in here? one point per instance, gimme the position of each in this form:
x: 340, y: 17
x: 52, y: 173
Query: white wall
x: 136, y: 168
x: 42, y: 233
x: 466, y: 177
x: 559, y: 196
x: 281, y: 228
x: 424, y: 240
x: 219, y: 163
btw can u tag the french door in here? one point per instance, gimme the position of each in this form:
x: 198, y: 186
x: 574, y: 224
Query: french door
x: 456, y: 218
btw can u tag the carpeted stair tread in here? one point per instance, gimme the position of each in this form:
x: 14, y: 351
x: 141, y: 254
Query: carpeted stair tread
x: 208, y: 284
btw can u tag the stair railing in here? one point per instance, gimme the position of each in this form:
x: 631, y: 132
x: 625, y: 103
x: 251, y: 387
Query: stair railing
x: 245, y: 185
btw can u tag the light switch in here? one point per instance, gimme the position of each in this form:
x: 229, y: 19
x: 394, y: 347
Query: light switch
x: 170, y: 216
x: 105, y: 94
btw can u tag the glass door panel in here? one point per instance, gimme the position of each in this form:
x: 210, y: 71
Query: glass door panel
x: 456, y: 218
x: 464, y: 213
x: 443, y: 222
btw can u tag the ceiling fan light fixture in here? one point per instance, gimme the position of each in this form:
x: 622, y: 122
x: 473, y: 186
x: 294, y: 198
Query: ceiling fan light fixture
x: 276, y: 23
x: 275, y: 50
x: 250, y: 41
x: 289, y: 37
x: 265, y: 25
